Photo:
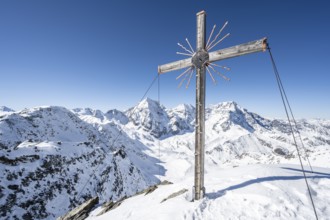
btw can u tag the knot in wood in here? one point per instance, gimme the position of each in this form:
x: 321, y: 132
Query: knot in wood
x: 200, y: 58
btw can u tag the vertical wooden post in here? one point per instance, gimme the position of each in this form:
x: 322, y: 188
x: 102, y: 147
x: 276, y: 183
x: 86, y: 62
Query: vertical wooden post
x: 200, y: 110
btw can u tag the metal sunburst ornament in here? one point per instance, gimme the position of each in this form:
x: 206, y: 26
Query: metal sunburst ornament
x: 210, y: 67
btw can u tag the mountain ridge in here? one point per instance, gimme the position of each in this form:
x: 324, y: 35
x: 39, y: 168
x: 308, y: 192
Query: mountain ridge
x: 52, y: 152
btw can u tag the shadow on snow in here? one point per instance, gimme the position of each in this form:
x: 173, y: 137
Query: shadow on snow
x: 222, y: 192
x: 306, y: 171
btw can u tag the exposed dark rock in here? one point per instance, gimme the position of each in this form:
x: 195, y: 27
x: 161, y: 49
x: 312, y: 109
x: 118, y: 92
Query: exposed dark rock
x: 120, y: 153
x: 17, y: 160
x: 174, y: 195
x: 82, y: 211
x: 165, y: 182
x: 111, y: 206
x: 13, y: 187
x: 281, y: 151
x: 150, y: 189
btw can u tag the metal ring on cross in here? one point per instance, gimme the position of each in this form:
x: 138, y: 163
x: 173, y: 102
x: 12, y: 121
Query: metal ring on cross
x: 200, y: 58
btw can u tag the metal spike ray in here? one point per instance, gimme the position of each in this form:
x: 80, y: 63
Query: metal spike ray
x: 190, y: 45
x: 216, y: 37
x: 182, y: 81
x: 219, y: 41
x: 220, y: 74
x: 180, y: 45
x: 185, y: 54
x: 208, y: 70
x: 223, y: 67
x: 191, y: 73
x: 208, y: 41
x: 183, y: 73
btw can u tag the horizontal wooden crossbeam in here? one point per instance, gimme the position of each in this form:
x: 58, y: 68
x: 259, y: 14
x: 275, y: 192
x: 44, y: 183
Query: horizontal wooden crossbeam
x: 230, y: 52
x: 175, y: 65
x: 239, y: 50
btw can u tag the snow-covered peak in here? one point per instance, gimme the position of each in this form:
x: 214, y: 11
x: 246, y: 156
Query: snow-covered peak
x: 226, y: 106
x: 183, y: 111
x: 150, y: 116
x: 49, y: 123
x: 182, y: 119
x: 45, y: 112
x: 88, y: 111
x: 117, y: 115
x: 43, y: 108
x: 183, y: 108
x: 5, y: 109
x: 89, y: 115
x: 98, y: 114
x: 83, y: 111
x: 225, y: 115
x: 148, y: 103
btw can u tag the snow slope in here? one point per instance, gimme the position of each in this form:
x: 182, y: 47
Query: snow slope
x: 248, y: 192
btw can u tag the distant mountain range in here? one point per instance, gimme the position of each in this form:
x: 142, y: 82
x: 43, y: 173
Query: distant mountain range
x: 53, y: 159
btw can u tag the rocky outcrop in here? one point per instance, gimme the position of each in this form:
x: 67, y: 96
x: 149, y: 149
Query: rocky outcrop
x: 173, y: 195
x: 82, y: 211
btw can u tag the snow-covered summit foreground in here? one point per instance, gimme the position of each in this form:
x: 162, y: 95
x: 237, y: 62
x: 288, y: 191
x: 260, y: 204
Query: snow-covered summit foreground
x: 248, y: 192
x: 53, y: 159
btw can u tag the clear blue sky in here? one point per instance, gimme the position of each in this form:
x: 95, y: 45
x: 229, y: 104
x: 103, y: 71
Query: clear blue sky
x: 104, y: 54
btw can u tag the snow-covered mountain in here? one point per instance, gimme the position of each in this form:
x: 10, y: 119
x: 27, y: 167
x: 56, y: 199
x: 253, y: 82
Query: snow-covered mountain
x: 52, y: 158
x: 153, y: 118
x: 5, y: 110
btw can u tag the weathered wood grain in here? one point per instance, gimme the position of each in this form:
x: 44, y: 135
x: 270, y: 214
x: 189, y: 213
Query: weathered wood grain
x: 175, y: 65
x: 239, y: 50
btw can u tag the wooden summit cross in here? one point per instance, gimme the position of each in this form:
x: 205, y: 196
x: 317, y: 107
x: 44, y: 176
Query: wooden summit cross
x: 200, y: 60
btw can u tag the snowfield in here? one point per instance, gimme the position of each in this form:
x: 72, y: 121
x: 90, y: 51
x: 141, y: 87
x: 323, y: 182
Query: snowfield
x: 52, y: 159
x: 248, y: 192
